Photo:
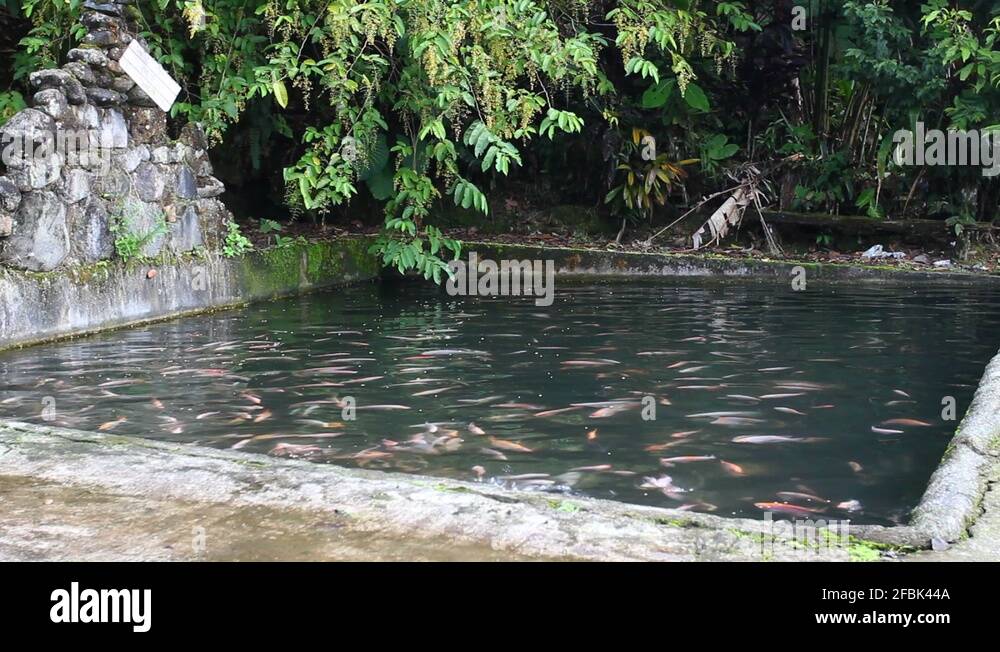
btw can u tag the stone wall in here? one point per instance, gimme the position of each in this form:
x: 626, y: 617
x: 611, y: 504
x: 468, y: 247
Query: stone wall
x: 93, y: 155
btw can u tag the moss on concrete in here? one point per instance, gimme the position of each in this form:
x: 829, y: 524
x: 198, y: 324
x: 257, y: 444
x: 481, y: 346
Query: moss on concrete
x: 577, y: 261
x: 42, y: 307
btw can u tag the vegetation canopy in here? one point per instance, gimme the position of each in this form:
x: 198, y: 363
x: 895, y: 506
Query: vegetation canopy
x: 631, y: 105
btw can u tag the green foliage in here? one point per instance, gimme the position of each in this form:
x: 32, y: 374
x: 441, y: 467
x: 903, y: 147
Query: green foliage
x: 236, y: 244
x: 716, y: 149
x: 270, y: 226
x: 648, y: 177
x: 128, y: 241
x: 10, y: 103
x: 403, y: 106
x: 868, y: 202
x: 417, y: 251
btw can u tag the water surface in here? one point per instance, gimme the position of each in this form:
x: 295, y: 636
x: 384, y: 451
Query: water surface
x: 828, y: 400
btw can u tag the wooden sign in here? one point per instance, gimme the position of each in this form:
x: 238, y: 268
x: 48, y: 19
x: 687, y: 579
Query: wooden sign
x: 149, y: 75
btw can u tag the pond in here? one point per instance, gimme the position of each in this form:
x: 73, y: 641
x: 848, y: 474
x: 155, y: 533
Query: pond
x: 731, y: 397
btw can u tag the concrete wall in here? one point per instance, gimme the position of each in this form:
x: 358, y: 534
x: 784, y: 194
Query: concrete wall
x: 596, y: 262
x: 36, y: 307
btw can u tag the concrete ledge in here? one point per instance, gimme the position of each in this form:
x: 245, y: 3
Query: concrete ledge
x: 594, y: 262
x: 952, y: 501
x: 37, y: 307
x: 388, y: 506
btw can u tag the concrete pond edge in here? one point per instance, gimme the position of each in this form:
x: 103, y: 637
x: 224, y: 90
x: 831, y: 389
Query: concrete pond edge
x: 529, y: 524
x: 572, y: 261
x: 37, y: 307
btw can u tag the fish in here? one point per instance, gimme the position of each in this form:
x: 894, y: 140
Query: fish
x: 370, y: 454
x: 685, y: 459
x: 735, y: 421
x: 798, y: 495
x: 612, y: 410
x: 506, y: 445
x: 549, y: 413
x: 731, y: 468
x: 441, y: 390
x: 906, y: 422
x: 451, y: 352
x: 786, y: 395
x: 121, y: 383
x: 669, y: 490
x: 594, y: 468
x: 850, y: 506
x: 519, y: 406
x: 294, y: 450
x: 900, y: 392
x: 480, y: 401
x: 592, y: 435
x: 788, y: 410
x: 886, y: 431
x: 773, y: 439
x: 476, y: 430
x: 479, y: 471
x: 111, y: 425
x: 263, y: 416
x: 358, y: 381
x: 855, y: 466
x: 712, y: 415
x: 494, y: 454
x: 664, y: 482
x: 656, y: 448
x: 785, y: 508
x: 707, y: 507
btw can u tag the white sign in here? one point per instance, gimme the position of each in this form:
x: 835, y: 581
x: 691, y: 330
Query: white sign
x: 149, y: 75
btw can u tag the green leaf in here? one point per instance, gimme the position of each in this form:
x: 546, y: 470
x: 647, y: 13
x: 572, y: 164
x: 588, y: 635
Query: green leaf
x: 381, y: 184
x: 657, y: 95
x: 696, y: 98
x: 280, y: 93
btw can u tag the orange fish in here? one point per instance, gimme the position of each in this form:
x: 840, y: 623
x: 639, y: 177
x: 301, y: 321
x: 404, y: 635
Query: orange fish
x: 506, y: 445
x: 732, y: 469
x: 110, y: 425
x: 906, y: 422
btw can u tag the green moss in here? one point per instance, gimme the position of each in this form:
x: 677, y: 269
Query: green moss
x: 564, y: 506
x: 676, y: 522
x: 452, y: 488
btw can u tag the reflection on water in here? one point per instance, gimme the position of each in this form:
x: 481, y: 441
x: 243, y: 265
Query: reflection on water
x: 821, y: 402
